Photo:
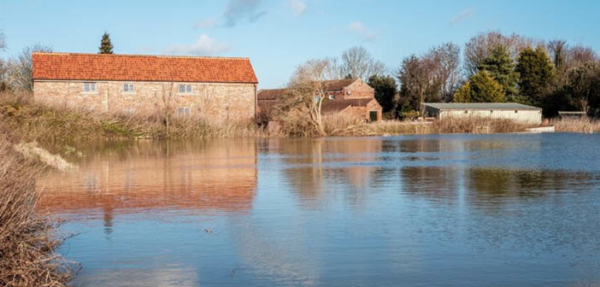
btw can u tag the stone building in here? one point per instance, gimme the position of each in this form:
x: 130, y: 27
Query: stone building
x: 216, y: 89
x: 512, y: 111
x: 350, y: 96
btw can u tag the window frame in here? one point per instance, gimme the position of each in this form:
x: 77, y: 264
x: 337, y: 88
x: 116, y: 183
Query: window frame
x: 87, y: 88
x: 186, y: 91
x: 130, y: 88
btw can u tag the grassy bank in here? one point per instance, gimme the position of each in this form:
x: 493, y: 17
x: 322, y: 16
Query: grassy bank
x: 37, y: 122
x: 34, y: 122
x: 27, y: 240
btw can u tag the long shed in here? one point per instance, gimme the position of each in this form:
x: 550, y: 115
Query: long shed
x: 513, y: 111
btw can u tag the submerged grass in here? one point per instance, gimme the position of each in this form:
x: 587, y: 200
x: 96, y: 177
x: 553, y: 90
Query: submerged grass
x: 27, y: 240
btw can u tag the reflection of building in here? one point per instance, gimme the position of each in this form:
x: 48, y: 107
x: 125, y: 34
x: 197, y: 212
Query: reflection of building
x: 217, y: 175
x: 313, y: 162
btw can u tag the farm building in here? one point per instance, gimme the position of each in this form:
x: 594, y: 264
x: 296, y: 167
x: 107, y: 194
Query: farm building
x: 348, y: 96
x: 512, y: 111
x: 215, y: 89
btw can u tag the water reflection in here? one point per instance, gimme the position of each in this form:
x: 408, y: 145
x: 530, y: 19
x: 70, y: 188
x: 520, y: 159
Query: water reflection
x: 155, y: 175
x: 422, y: 210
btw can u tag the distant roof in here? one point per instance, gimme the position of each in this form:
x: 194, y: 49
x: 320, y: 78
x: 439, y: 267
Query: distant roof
x: 272, y: 94
x: 339, y: 105
x: 329, y: 86
x: 104, y: 67
x: 480, y: 106
x: 338, y: 85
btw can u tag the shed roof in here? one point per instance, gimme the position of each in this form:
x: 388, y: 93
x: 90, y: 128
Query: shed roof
x: 104, y: 67
x: 480, y: 106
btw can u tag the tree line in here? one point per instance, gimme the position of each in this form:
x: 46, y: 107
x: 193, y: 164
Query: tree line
x: 495, y: 68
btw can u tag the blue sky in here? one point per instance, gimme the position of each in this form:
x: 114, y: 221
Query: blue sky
x: 277, y: 35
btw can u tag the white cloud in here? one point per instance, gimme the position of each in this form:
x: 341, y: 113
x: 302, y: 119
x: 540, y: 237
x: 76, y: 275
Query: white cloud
x: 360, y: 29
x: 205, y: 46
x: 462, y: 16
x: 206, y: 23
x: 298, y: 6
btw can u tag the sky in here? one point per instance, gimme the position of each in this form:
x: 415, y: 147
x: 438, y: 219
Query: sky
x: 278, y: 35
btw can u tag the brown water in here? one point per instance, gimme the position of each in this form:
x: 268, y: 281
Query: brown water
x: 448, y: 210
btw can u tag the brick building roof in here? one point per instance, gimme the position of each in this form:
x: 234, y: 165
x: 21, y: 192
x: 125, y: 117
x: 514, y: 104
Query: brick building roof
x: 271, y: 94
x: 339, y: 105
x: 337, y: 85
x: 102, y: 67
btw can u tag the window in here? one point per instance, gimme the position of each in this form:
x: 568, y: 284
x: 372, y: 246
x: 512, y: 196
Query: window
x: 185, y: 89
x: 348, y: 93
x: 317, y: 99
x: 128, y: 88
x: 516, y: 111
x: 466, y: 112
x: 183, y: 111
x: 331, y: 97
x: 491, y: 111
x: 89, y: 87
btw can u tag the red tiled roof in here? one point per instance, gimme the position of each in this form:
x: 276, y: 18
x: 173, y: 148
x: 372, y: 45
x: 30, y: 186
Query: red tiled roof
x: 337, y: 85
x: 339, y: 105
x: 99, y: 67
x: 271, y: 94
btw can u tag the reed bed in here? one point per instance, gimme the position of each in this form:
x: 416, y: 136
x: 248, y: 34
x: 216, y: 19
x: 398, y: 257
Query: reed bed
x: 39, y: 122
x: 28, y: 241
x: 581, y: 125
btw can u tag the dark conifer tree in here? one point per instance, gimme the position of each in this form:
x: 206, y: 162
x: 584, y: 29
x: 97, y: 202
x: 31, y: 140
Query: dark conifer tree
x: 106, y: 46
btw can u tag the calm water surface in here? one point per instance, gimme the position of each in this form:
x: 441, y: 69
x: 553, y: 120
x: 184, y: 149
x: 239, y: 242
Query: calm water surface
x: 448, y: 210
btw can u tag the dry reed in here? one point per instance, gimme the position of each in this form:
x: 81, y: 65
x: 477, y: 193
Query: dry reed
x: 36, y: 122
x: 581, y: 125
x: 27, y: 241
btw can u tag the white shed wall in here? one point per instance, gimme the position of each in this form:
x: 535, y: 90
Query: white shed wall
x: 532, y: 117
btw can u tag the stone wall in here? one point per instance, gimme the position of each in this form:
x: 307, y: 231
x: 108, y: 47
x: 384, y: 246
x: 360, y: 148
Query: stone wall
x: 214, y: 102
x: 364, y: 112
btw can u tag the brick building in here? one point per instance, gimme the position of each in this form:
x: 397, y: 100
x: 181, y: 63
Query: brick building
x: 351, y: 96
x: 216, y: 89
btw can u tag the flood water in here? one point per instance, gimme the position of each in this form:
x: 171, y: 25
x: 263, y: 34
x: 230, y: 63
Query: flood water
x: 440, y: 210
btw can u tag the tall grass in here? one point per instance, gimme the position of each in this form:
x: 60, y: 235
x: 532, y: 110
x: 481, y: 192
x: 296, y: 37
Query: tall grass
x: 27, y: 241
x: 581, y: 125
x: 40, y: 122
x: 346, y: 125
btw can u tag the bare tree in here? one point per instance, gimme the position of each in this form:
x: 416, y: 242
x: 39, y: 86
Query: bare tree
x: 579, y: 56
x: 2, y: 41
x: 165, y: 100
x: 443, y: 62
x: 557, y: 50
x: 20, y: 70
x: 414, y: 79
x: 306, y: 92
x: 357, y: 62
x: 481, y: 46
x: 3, y: 68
